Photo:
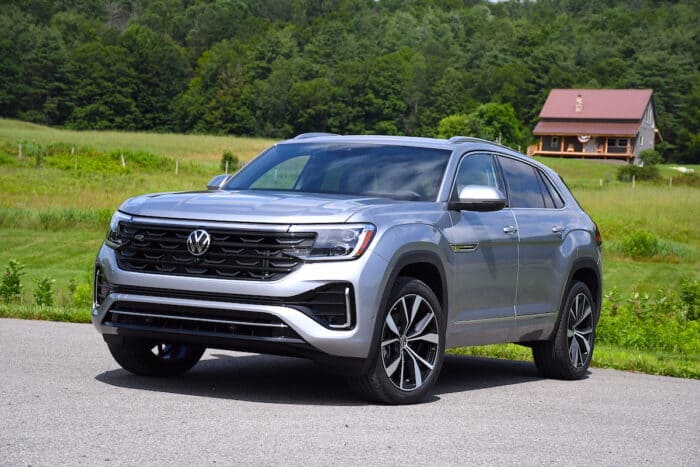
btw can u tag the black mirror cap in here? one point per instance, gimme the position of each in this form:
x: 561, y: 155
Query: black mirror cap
x: 477, y: 205
x: 217, y: 182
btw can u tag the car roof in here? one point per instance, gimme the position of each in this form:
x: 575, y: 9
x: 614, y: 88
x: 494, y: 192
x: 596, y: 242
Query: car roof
x: 456, y: 143
x: 437, y: 143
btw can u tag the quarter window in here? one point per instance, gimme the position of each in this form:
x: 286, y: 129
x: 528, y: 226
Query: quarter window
x: 551, y: 196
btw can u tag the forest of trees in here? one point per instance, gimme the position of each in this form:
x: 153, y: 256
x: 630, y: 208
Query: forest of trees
x: 276, y: 68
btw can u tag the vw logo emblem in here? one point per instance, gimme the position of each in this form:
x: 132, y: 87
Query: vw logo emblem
x: 198, y: 242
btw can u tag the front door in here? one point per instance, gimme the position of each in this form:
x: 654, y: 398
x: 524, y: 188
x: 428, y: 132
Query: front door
x: 485, y: 254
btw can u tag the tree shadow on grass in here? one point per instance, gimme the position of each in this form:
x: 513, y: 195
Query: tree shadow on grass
x: 285, y: 380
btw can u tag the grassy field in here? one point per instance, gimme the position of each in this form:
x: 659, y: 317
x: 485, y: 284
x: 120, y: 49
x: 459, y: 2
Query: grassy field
x: 199, y: 147
x: 53, y: 219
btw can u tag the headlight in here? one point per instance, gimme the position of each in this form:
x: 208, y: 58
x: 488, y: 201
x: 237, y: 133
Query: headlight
x: 114, y: 238
x: 334, y: 242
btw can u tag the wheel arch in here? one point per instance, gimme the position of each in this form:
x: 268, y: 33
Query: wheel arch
x: 585, y: 270
x: 418, y: 264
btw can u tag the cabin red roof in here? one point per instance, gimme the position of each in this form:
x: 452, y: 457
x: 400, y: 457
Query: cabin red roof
x: 596, y: 104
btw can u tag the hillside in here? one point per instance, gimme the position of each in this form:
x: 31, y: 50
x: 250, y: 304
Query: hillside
x: 275, y: 68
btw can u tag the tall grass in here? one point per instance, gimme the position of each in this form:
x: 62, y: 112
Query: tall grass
x: 670, y: 213
x: 199, y: 147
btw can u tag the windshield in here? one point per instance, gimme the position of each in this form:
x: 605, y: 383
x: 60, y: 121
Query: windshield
x: 399, y: 172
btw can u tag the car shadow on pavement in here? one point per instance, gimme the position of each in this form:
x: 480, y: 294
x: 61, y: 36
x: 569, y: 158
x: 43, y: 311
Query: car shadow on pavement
x: 286, y: 380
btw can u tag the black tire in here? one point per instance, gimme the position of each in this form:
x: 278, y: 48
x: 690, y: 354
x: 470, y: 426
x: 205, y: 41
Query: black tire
x: 408, y: 354
x: 569, y: 353
x: 150, y: 358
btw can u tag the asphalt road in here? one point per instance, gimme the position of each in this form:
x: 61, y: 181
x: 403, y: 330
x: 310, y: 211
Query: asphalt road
x: 63, y: 400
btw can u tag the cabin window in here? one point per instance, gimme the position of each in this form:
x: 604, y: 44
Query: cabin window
x: 617, y: 142
x: 555, y: 140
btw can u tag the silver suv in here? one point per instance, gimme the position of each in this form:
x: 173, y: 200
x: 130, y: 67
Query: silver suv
x: 370, y: 255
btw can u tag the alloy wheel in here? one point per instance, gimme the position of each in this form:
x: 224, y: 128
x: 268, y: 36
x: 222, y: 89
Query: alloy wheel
x: 579, y: 330
x: 410, y: 342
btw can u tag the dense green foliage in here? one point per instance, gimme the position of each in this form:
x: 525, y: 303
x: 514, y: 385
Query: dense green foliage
x: 275, y: 68
x: 661, y: 322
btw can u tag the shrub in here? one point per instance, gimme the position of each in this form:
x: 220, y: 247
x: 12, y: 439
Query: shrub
x: 229, y: 162
x: 82, y: 295
x: 640, y: 244
x: 11, y: 285
x: 650, y: 157
x: 43, y: 294
x: 690, y: 298
x: 648, y: 322
x: 690, y: 179
x: 648, y: 172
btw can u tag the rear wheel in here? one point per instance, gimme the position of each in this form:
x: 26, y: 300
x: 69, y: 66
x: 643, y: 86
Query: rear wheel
x: 410, y: 348
x: 149, y: 358
x: 569, y: 353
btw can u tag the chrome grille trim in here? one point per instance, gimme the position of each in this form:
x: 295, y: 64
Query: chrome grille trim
x: 206, y: 320
x: 233, y: 253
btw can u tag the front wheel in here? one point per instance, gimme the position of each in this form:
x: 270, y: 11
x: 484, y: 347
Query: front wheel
x: 410, y: 346
x: 149, y: 358
x: 569, y: 353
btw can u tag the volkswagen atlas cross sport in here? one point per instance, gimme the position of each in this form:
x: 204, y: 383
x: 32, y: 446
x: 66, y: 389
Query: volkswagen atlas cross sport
x: 370, y: 255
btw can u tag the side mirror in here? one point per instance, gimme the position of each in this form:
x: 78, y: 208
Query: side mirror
x: 479, y: 198
x: 217, y: 182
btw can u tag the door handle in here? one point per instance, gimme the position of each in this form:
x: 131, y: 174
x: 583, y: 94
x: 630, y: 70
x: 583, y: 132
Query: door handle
x: 509, y: 229
x: 558, y: 229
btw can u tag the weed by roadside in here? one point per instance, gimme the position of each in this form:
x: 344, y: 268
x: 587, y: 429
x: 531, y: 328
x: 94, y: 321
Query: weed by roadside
x: 11, y: 285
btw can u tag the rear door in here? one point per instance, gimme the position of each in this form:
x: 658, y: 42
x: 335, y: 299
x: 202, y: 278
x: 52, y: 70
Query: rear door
x: 542, y: 223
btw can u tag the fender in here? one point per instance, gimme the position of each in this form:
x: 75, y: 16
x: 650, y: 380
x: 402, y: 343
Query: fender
x: 403, y: 260
x: 578, y: 264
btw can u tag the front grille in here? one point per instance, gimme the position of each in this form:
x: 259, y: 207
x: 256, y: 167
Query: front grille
x: 232, y: 254
x: 199, y: 321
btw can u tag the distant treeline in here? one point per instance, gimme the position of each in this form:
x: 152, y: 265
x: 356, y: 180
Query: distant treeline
x: 275, y: 68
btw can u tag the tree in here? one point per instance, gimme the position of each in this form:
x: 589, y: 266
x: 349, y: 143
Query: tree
x: 103, y: 87
x: 160, y: 70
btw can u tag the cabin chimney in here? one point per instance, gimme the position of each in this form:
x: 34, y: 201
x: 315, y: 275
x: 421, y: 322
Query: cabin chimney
x: 579, y: 103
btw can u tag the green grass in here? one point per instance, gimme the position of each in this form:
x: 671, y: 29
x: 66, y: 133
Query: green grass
x: 200, y: 147
x: 53, y: 219
x: 55, y: 313
x: 604, y: 356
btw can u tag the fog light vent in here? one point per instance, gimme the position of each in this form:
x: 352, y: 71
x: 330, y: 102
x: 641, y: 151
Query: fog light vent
x: 100, y: 288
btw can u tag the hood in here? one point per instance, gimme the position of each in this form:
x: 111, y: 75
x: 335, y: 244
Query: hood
x: 250, y: 206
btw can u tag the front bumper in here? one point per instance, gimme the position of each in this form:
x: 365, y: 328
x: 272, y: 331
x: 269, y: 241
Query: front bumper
x: 258, y: 316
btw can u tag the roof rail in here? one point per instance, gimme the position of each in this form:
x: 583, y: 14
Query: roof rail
x: 467, y: 139
x: 471, y: 139
x: 314, y: 135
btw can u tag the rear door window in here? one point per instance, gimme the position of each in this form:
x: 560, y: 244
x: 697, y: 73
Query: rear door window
x: 524, y: 184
